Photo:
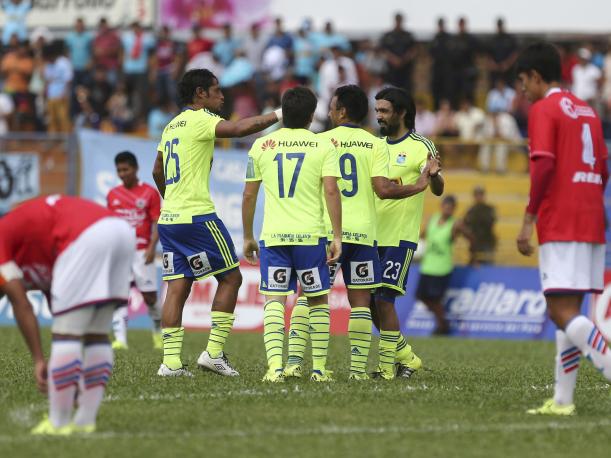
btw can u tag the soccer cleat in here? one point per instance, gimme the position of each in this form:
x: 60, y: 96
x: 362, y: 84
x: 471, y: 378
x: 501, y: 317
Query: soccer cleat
x: 157, y: 341
x: 273, y: 376
x: 82, y: 429
x: 218, y: 365
x: 358, y: 376
x: 549, y: 407
x: 382, y: 375
x: 406, y: 370
x: 292, y: 370
x: 165, y: 371
x: 46, y: 428
x: 117, y: 346
x: 321, y: 376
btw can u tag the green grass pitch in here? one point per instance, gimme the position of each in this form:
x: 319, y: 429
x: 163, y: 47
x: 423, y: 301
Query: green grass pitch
x: 468, y: 402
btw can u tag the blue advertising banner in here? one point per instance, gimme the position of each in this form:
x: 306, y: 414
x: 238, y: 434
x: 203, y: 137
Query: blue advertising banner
x: 98, y: 175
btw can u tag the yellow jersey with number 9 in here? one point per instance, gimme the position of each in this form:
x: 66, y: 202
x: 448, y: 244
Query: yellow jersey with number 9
x: 291, y: 164
x: 399, y: 220
x: 187, y: 144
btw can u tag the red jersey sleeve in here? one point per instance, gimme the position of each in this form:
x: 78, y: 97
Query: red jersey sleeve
x: 542, y: 130
x: 155, y: 207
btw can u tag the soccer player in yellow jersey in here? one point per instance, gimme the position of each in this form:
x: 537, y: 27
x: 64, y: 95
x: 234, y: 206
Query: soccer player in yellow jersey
x: 363, y: 165
x: 399, y: 224
x: 297, y: 168
x: 195, y: 242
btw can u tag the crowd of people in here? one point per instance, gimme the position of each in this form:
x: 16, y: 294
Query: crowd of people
x: 123, y: 79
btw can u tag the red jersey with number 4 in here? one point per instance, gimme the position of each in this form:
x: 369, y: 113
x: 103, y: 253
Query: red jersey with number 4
x: 565, y: 128
x: 139, y: 206
x: 35, y: 233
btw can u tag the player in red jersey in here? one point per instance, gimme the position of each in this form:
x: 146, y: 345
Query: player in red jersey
x: 79, y: 255
x: 139, y: 204
x: 568, y: 168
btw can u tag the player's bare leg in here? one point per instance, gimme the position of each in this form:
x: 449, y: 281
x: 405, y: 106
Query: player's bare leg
x: 359, y: 332
x: 319, y: 336
x: 223, y: 306
x: 442, y: 326
x: 172, y: 330
x: 150, y: 299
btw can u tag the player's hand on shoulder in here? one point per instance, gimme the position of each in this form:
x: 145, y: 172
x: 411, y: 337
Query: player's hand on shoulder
x: 251, y: 251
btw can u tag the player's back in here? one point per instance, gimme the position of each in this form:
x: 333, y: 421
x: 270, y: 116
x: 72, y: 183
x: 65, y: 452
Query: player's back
x: 187, y: 144
x: 361, y: 156
x: 291, y: 164
x: 567, y: 129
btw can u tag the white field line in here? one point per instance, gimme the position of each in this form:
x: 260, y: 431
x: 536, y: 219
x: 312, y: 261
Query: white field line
x: 332, y: 430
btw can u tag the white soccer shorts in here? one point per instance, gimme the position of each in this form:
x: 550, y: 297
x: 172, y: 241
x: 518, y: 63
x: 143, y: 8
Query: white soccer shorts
x: 95, y: 269
x: 567, y: 267
x: 144, y: 275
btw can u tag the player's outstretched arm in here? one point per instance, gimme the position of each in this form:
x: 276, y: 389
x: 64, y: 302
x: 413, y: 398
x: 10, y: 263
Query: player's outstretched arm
x: 28, y: 325
x: 249, y: 204
x: 334, y: 208
x: 246, y: 126
x: 158, y: 175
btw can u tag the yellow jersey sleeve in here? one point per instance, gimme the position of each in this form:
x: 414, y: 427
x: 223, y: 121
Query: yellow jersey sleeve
x: 253, y: 172
x: 205, y: 128
x: 330, y: 166
x: 379, y: 166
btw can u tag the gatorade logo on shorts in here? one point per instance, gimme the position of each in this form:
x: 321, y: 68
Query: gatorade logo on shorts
x: 168, y: 263
x: 278, y: 278
x: 310, y: 280
x: 199, y: 264
x: 361, y: 273
x: 333, y: 271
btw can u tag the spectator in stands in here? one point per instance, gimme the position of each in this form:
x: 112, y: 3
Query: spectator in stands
x: 254, y: 45
x: 465, y: 48
x: 441, y: 69
x: 16, y: 67
x: 586, y: 77
x: 15, y: 14
x: 520, y: 106
x: 6, y: 110
x: 500, y: 97
x: 107, y: 50
x: 137, y: 47
x: 305, y: 55
x: 39, y: 39
x: 480, y: 220
x: 93, y: 99
x: 121, y: 115
x: 329, y: 38
x: 568, y: 61
x: 58, y: 76
x: 78, y: 43
x: 445, y: 120
x: 198, y: 43
x: 470, y: 121
x: 399, y: 48
x: 166, y: 65
x: 160, y: 116
x: 225, y: 48
x: 606, y: 87
x: 239, y: 71
x: 275, y: 63
x: 281, y: 38
x: 370, y: 62
x: 425, y: 119
x: 502, y: 54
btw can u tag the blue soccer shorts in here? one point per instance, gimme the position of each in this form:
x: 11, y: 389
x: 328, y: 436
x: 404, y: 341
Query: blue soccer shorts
x: 395, y: 261
x: 283, y: 265
x: 360, y: 266
x: 198, y: 250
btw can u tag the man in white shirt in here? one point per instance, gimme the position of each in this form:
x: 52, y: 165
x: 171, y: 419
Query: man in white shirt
x: 586, y: 77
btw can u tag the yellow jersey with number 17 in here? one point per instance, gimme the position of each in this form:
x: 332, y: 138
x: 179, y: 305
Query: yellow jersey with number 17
x: 399, y: 220
x: 361, y: 156
x: 187, y: 144
x: 291, y: 164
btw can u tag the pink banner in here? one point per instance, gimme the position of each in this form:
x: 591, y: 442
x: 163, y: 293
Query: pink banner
x: 183, y: 14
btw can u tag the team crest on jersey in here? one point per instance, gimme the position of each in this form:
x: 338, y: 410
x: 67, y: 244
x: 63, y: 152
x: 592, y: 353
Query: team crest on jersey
x: 140, y: 203
x: 268, y: 144
x: 401, y: 158
x: 573, y: 111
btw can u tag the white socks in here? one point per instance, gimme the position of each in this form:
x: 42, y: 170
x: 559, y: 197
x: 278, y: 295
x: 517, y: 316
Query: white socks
x: 97, y: 367
x: 586, y: 336
x: 119, y: 324
x: 64, y: 374
x: 567, y: 365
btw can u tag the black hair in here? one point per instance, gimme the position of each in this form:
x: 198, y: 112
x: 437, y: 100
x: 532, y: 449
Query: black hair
x: 449, y: 199
x: 298, y: 105
x: 400, y: 101
x: 543, y: 58
x: 190, y: 81
x: 126, y: 157
x: 354, y: 100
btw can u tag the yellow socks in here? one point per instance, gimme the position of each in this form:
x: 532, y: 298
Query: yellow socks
x: 222, y: 322
x: 172, y: 347
x: 273, y: 333
x: 299, y: 331
x: 359, y: 331
x: 388, y: 350
x: 319, y: 334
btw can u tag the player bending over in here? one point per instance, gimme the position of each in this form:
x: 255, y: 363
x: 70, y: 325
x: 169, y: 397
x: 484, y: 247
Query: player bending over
x: 568, y: 169
x: 297, y: 167
x: 80, y: 256
x: 363, y: 165
x: 398, y: 222
x: 137, y: 203
x: 195, y: 242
